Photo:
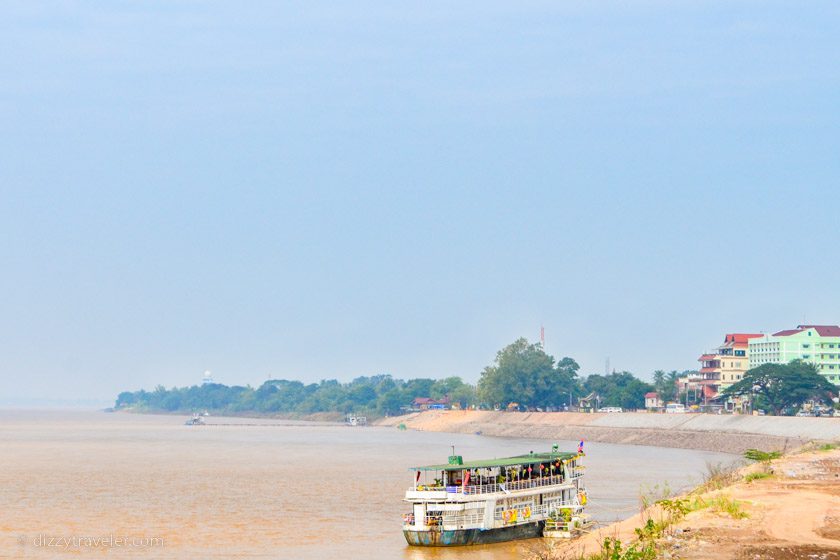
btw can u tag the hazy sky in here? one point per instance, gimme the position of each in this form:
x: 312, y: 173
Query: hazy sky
x: 314, y: 190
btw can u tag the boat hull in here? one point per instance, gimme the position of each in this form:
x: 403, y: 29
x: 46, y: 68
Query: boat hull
x: 464, y: 537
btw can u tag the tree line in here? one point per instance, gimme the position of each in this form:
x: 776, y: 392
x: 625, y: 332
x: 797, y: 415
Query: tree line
x: 378, y: 394
x: 522, y: 374
x: 523, y: 377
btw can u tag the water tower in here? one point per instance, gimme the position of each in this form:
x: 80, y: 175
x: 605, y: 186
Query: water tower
x: 208, y: 378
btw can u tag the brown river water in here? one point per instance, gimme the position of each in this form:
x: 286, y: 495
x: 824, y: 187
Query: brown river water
x: 95, y: 485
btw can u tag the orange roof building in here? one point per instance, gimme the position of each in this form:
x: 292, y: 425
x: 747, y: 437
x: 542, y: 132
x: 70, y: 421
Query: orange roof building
x: 726, y: 364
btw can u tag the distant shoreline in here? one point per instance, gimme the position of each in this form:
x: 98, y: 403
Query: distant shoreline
x: 325, y: 417
x: 727, y: 434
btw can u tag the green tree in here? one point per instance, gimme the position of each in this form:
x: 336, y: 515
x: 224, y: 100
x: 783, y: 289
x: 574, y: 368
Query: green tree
x: 361, y: 395
x: 390, y: 401
x: 126, y: 398
x: 665, y: 385
x: 464, y: 395
x: 454, y: 388
x: 658, y: 378
x: 781, y: 386
x: 445, y: 387
x: 617, y: 389
x: 525, y: 374
x: 420, y: 387
x: 552, y: 389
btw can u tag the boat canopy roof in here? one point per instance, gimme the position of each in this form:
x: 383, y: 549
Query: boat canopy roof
x: 529, y: 459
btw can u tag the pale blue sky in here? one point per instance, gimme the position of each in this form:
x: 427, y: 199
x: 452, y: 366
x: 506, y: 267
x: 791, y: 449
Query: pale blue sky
x: 313, y: 190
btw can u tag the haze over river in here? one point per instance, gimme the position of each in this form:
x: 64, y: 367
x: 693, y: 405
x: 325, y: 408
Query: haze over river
x: 282, y: 490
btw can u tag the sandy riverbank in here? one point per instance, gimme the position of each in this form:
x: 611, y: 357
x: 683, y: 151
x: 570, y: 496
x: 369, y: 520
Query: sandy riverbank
x: 793, y: 514
x: 731, y: 434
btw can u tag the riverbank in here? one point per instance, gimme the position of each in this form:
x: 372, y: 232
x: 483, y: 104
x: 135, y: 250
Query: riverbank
x: 729, y: 434
x: 786, y: 509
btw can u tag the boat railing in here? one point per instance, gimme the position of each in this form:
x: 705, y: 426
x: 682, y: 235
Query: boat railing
x: 578, y: 522
x: 538, y: 510
x: 512, y: 485
x: 438, y: 521
x: 557, y: 525
x: 462, y: 520
x: 509, y: 486
x: 576, y: 472
x: 448, y: 520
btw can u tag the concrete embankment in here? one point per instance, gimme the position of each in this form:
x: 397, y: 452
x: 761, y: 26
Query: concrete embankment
x: 731, y: 434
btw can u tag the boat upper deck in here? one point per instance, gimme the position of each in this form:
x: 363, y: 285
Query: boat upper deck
x: 455, y: 464
x: 463, y: 480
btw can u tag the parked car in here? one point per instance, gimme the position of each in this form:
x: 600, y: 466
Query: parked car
x: 611, y: 409
x: 674, y: 408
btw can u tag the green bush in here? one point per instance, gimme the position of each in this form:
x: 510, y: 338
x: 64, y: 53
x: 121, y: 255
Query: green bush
x: 758, y: 455
x: 613, y: 549
x: 757, y: 476
x: 728, y: 505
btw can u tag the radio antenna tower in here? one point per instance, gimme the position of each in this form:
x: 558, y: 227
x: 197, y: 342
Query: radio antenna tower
x: 607, y: 366
x: 542, y: 337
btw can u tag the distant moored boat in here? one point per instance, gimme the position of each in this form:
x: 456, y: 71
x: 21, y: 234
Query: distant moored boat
x: 196, y: 420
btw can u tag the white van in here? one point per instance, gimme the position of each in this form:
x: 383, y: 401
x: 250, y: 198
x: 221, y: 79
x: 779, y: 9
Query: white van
x: 675, y: 408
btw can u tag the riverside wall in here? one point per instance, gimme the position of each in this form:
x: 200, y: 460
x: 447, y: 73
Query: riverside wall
x: 725, y: 433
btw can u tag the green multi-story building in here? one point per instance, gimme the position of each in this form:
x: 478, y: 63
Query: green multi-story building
x: 816, y: 344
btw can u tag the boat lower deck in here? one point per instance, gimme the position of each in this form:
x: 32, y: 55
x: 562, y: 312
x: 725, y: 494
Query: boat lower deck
x: 462, y: 537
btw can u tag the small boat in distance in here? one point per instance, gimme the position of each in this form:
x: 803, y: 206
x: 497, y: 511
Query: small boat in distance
x: 496, y: 500
x: 196, y: 420
x: 353, y: 420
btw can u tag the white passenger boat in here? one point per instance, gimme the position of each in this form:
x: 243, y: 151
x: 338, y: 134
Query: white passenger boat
x: 495, y: 500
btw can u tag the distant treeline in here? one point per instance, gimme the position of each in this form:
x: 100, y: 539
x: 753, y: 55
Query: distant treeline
x: 522, y: 374
x: 377, y: 394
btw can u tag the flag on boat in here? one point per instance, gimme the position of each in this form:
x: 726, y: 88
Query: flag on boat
x: 580, y: 447
x: 466, y: 479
